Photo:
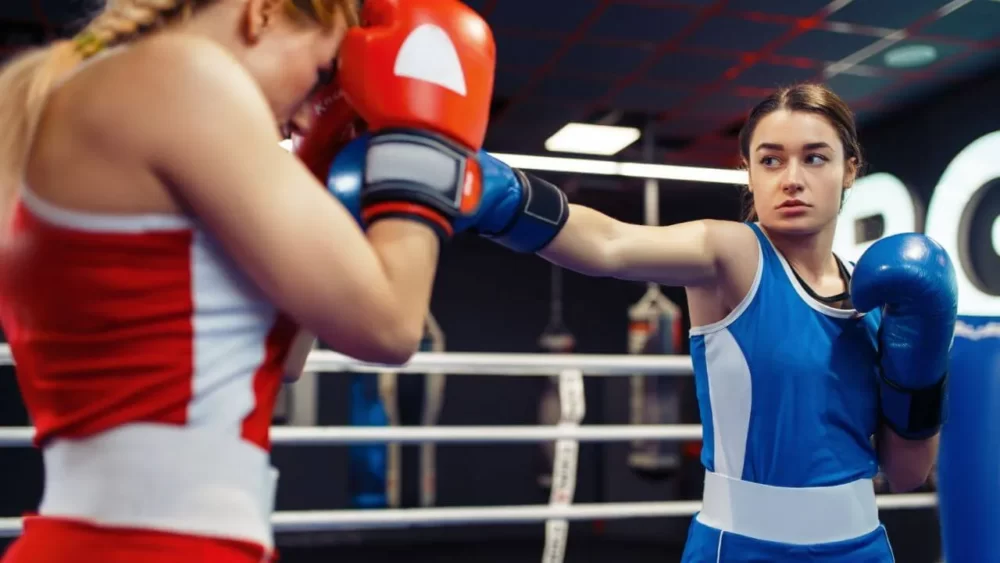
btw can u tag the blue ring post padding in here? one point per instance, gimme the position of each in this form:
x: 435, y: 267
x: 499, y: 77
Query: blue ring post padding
x: 969, y: 459
x: 368, y: 463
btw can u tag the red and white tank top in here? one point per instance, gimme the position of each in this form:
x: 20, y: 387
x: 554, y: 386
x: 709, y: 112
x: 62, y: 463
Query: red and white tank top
x: 147, y: 361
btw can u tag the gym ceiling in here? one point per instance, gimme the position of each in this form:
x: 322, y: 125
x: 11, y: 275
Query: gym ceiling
x: 683, y: 71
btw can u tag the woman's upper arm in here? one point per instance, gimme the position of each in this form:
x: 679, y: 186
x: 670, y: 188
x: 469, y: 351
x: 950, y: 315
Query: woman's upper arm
x: 214, y: 142
x: 690, y: 254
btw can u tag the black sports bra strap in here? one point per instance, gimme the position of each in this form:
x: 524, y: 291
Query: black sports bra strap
x: 845, y: 296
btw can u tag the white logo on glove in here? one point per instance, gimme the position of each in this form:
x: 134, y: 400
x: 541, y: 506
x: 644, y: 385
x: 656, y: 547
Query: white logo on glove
x: 428, y: 54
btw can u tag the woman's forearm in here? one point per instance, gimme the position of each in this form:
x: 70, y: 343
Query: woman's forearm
x: 408, y: 252
x: 906, y: 463
x: 680, y: 255
x: 583, y: 245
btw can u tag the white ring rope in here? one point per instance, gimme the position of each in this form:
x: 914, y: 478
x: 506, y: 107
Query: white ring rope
x: 327, y: 435
x: 455, y: 363
x: 333, y: 520
x: 479, y: 364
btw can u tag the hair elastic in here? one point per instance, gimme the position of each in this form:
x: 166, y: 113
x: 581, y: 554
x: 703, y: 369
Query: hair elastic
x: 88, y: 44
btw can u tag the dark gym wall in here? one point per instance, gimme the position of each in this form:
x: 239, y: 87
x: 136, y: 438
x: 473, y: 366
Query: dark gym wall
x: 917, y: 143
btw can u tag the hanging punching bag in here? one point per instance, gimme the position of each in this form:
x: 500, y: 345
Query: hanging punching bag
x: 555, y: 339
x: 654, y: 328
x: 968, y: 477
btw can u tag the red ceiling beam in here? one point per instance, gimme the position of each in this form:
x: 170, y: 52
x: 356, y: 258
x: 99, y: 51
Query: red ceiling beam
x: 541, y: 72
x: 768, y: 50
x: 910, y: 78
x: 669, y: 46
x: 748, y: 61
x: 906, y: 80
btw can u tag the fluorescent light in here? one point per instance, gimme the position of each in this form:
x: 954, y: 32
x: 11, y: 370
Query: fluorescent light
x: 627, y: 169
x: 613, y: 168
x: 586, y: 138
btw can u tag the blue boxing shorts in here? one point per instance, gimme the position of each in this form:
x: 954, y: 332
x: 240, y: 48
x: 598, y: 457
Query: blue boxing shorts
x: 711, y: 545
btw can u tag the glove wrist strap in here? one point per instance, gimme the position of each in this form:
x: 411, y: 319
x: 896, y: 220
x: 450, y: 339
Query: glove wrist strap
x: 414, y: 175
x: 913, y: 414
x: 543, y: 213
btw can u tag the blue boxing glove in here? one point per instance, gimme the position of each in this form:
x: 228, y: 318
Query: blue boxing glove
x: 346, y: 180
x: 517, y: 210
x: 346, y: 177
x: 912, y: 279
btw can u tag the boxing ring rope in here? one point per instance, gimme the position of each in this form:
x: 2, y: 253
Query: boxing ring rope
x: 541, y: 365
x: 457, y: 363
x: 343, y: 435
x: 479, y: 364
x: 381, y: 519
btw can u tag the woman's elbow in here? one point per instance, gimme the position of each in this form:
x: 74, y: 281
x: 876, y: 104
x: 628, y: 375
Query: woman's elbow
x: 399, y: 348
x: 391, y: 346
x: 390, y: 341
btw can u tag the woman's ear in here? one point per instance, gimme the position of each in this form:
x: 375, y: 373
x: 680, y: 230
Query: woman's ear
x: 258, y: 15
x: 850, y: 172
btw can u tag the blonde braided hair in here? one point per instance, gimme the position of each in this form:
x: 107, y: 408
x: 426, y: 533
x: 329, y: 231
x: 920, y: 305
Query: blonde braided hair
x: 123, y: 19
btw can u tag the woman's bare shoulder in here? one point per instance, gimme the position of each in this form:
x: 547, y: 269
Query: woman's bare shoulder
x: 187, y: 64
x: 166, y: 83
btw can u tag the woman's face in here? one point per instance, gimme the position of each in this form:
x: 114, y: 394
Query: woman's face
x: 290, y: 56
x: 797, y: 172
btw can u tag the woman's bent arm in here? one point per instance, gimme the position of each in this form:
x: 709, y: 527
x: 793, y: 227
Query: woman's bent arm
x: 214, y: 142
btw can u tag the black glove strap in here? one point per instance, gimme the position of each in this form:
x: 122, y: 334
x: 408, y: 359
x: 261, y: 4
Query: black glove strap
x: 925, y: 405
x: 544, y: 211
x: 926, y: 408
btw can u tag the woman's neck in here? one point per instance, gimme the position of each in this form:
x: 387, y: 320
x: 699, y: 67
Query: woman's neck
x: 811, y: 256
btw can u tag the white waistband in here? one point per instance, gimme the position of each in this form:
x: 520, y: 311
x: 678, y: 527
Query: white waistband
x: 175, y: 479
x: 801, y: 516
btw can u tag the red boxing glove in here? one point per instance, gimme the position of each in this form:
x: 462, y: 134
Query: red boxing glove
x: 422, y: 64
x: 421, y: 75
x: 332, y: 124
